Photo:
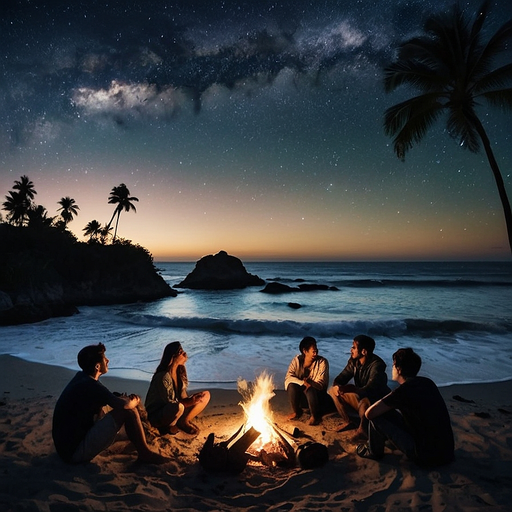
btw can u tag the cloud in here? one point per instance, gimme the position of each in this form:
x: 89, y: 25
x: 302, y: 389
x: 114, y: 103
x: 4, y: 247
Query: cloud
x: 128, y: 99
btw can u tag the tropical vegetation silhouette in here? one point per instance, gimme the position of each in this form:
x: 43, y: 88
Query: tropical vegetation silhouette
x: 451, y: 64
x: 45, y: 271
x: 22, y: 211
x: 120, y: 195
x: 68, y: 209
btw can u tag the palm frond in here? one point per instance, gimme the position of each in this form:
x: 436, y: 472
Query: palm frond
x: 399, y: 115
x: 461, y: 127
x: 448, y: 32
x: 410, y: 120
x: 414, y: 73
x: 495, y: 79
x: 500, y: 98
x: 487, y: 54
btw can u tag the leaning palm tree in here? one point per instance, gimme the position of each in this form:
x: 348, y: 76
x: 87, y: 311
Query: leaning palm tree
x: 452, y: 67
x: 121, y: 196
x: 68, y: 209
x: 92, y: 230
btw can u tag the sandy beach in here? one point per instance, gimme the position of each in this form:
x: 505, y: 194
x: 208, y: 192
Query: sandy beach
x: 34, y: 478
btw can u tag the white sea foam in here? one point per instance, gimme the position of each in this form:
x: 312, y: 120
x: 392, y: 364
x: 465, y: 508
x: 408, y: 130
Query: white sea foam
x: 462, y: 330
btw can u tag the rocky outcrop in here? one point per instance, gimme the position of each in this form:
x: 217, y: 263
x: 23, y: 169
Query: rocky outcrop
x: 278, y: 288
x: 219, y: 272
x: 46, y: 273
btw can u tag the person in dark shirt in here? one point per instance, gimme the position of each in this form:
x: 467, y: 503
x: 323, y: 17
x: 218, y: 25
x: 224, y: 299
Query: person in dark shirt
x: 413, y: 417
x: 80, y: 430
x: 370, y: 384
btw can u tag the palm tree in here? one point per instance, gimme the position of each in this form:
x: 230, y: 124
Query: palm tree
x: 17, y: 206
x: 68, y: 209
x: 38, y: 217
x: 121, y: 196
x: 25, y: 187
x: 92, y: 230
x: 452, y: 67
x: 105, y: 233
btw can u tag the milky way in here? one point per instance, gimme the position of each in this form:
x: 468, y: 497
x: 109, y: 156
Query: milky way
x: 253, y: 127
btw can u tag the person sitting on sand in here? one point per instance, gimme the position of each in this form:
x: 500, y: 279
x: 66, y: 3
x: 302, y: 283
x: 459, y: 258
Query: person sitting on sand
x: 422, y: 429
x: 80, y: 428
x: 168, y: 406
x: 370, y: 384
x: 306, y: 382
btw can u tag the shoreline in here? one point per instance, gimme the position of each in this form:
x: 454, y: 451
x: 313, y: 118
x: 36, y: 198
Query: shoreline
x: 33, y: 374
x: 34, y: 478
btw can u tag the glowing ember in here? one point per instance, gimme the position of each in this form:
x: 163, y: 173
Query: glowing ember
x: 256, y: 405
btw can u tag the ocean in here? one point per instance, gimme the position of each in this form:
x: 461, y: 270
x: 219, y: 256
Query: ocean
x: 457, y: 316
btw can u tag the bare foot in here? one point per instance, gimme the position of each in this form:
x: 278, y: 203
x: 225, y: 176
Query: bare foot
x: 314, y: 421
x: 343, y: 426
x: 152, y: 458
x: 189, y: 428
x: 293, y: 416
x: 171, y: 429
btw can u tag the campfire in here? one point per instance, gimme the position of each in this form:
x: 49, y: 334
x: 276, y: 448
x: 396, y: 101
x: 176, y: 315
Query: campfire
x: 259, y: 440
x: 273, y: 446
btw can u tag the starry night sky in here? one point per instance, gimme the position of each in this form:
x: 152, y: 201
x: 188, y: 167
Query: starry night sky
x: 253, y: 127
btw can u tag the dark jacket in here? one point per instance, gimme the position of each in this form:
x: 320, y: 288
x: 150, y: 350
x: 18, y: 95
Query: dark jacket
x: 370, y: 378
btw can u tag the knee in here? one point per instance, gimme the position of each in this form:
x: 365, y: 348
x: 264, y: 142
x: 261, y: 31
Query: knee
x: 206, y: 397
x: 122, y: 416
x: 292, y: 388
x: 333, y: 391
x: 364, y: 404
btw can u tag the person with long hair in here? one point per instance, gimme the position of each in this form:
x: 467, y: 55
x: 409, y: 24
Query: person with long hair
x: 168, y: 405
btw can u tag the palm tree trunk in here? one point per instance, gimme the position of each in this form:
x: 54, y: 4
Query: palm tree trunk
x: 117, y: 222
x: 111, y: 219
x: 497, y: 176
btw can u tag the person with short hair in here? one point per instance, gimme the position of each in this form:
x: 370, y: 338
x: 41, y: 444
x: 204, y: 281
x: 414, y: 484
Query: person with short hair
x: 306, y: 382
x: 368, y: 372
x: 167, y: 403
x: 81, y: 429
x: 413, y: 417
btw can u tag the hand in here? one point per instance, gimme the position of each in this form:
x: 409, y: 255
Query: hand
x: 348, y: 388
x: 198, y: 397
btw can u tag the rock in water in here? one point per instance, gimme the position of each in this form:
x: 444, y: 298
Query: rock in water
x: 220, y: 272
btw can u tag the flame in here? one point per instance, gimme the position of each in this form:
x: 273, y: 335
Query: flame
x: 256, y: 405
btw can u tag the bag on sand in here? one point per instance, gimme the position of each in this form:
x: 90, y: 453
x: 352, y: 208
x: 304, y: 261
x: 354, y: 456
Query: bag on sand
x: 312, y: 455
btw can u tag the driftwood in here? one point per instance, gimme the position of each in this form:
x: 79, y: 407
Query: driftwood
x: 227, y: 456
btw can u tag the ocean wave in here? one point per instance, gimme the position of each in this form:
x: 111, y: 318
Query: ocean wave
x: 438, y: 283
x: 381, y: 327
x: 400, y: 282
